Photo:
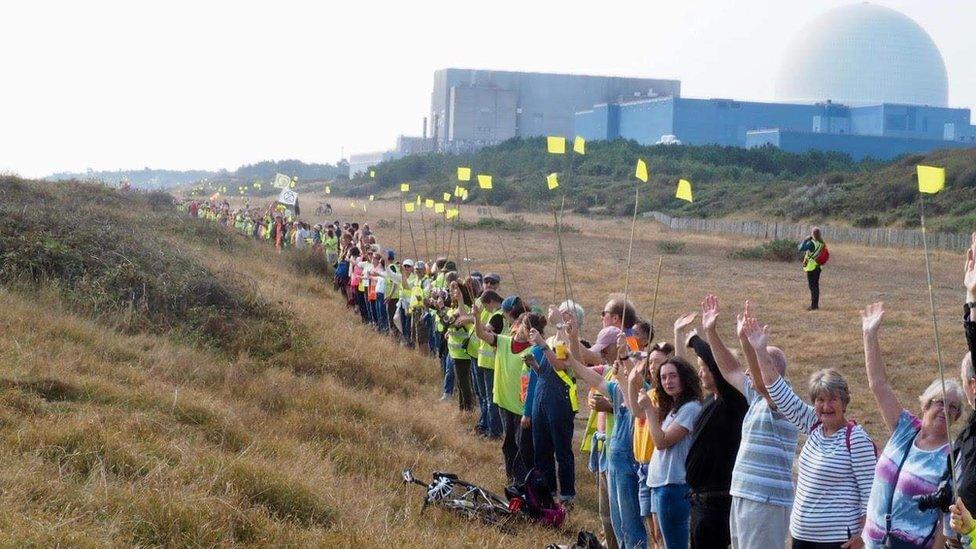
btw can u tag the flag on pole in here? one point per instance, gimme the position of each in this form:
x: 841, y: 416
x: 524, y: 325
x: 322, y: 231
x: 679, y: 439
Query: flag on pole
x: 464, y: 174
x: 641, y: 170
x: 484, y: 181
x: 282, y: 181
x: 458, y: 191
x: 684, y: 190
x: 404, y: 187
x: 552, y: 180
x: 409, y: 207
x: 452, y: 213
x: 579, y: 145
x: 372, y: 173
x: 418, y: 199
x: 447, y: 197
x: 429, y: 203
x: 294, y: 181
x: 556, y: 144
x: 372, y: 197
x: 439, y: 207
x: 352, y: 204
x: 328, y: 189
x: 464, y: 194
x: 930, y: 179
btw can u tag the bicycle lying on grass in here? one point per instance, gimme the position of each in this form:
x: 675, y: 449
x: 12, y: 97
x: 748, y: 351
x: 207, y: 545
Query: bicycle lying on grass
x: 467, y: 500
x: 527, y: 500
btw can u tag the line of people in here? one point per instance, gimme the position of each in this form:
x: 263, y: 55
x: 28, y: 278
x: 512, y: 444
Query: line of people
x: 690, y: 442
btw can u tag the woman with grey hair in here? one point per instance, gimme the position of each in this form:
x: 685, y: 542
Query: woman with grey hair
x: 836, y: 464
x: 913, y: 462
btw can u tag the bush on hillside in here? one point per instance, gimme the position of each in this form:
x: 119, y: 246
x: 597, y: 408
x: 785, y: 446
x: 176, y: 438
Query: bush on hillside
x: 782, y: 249
x: 671, y: 247
x: 106, y: 254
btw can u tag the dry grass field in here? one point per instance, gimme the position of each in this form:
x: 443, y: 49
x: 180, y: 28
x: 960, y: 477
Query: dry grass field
x: 116, y: 437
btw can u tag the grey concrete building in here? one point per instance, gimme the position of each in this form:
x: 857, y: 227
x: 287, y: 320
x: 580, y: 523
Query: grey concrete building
x: 472, y: 108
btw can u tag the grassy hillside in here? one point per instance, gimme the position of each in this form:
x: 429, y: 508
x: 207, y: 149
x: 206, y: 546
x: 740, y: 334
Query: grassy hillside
x: 164, y: 382
x: 728, y: 181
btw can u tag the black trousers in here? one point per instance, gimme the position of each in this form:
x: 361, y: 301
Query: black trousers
x: 710, y: 522
x: 813, y: 281
x: 462, y: 377
x: 516, y: 447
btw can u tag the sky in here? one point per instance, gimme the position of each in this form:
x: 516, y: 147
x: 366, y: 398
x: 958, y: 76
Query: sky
x: 216, y: 84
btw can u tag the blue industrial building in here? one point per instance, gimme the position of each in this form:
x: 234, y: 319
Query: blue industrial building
x: 880, y: 131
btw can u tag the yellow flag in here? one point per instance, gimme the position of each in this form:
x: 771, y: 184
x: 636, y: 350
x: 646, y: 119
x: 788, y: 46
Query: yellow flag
x: 372, y: 197
x: 328, y: 189
x: 556, y: 145
x: 458, y: 191
x: 429, y: 203
x: 372, y: 173
x: 418, y: 199
x: 464, y: 174
x: 452, y: 213
x: 447, y: 197
x: 684, y: 190
x: 352, y: 204
x: 484, y: 181
x: 439, y: 207
x: 404, y: 187
x: 464, y: 194
x: 409, y: 207
x: 552, y: 180
x: 579, y: 145
x: 641, y: 170
x: 930, y: 179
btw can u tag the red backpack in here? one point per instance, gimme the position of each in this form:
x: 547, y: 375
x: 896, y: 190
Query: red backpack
x: 823, y: 257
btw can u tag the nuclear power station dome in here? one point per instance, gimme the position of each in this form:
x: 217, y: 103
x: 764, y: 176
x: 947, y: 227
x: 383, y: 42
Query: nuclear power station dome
x: 862, y: 54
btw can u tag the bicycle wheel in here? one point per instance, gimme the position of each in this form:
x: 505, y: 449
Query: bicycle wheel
x: 472, y: 501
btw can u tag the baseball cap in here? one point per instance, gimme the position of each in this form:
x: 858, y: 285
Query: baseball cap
x: 492, y: 277
x: 509, y: 303
x: 450, y: 266
x: 606, y: 338
x: 408, y: 263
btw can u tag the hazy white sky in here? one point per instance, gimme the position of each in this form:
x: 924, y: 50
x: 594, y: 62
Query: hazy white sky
x: 215, y: 84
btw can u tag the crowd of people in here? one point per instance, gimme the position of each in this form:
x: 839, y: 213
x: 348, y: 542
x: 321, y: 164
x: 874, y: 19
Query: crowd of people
x: 691, y: 442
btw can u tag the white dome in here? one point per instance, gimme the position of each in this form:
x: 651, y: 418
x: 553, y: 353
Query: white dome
x: 861, y: 54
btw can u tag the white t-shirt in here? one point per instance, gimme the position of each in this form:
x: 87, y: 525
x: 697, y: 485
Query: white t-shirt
x: 667, y: 466
x: 379, y: 275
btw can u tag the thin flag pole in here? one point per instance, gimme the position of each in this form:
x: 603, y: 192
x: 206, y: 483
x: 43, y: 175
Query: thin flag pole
x: 657, y: 286
x: 630, y: 250
x: 935, y: 326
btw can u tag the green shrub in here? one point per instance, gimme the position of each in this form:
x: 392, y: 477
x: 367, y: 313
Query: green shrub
x: 782, y: 249
x: 670, y: 247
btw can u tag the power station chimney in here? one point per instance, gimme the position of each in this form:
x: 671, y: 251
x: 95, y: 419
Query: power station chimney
x: 425, y: 128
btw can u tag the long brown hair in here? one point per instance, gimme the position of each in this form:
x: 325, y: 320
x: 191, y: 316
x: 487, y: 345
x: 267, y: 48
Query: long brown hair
x: 690, y: 387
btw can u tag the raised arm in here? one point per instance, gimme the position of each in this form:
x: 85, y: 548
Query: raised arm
x: 581, y: 353
x: 969, y: 323
x: 588, y: 375
x: 786, y: 400
x: 483, y: 332
x: 724, y: 359
x: 875, y: 366
x: 680, y: 326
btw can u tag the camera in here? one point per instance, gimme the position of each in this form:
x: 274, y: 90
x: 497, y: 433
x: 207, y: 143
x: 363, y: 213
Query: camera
x: 940, y: 499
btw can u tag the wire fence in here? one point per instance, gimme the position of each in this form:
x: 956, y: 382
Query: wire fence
x: 771, y: 230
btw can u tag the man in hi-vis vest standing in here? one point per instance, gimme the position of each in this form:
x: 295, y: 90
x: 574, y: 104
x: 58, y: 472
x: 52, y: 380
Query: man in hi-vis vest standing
x: 814, y: 257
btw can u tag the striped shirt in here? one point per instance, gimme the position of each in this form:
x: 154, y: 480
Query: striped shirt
x: 834, y: 483
x: 764, y: 465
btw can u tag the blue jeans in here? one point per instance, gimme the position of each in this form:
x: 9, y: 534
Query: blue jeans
x: 552, y: 438
x: 622, y: 489
x: 405, y: 322
x: 494, y: 416
x: 448, y: 365
x: 363, y: 305
x: 673, y: 512
x: 479, y: 391
x: 379, y: 313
